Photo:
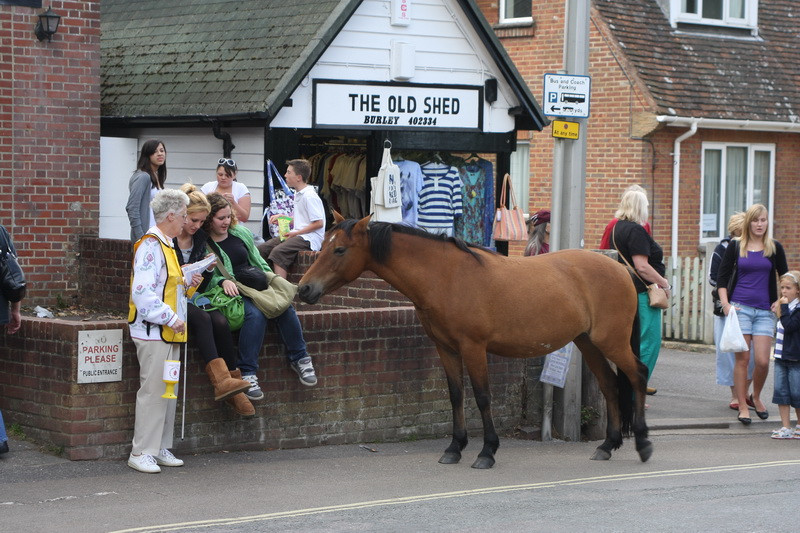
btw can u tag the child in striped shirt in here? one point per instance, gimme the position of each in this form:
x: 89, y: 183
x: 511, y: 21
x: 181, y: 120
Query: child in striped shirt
x: 787, y: 355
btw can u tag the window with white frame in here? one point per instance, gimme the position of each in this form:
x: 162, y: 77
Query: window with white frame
x: 520, y: 170
x: 732, y: 13
x: 515, y: 11
x: 734, y: 177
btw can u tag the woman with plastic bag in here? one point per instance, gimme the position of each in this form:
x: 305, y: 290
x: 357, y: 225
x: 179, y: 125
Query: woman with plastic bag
x: 748, y: 282
x: 725, y: 360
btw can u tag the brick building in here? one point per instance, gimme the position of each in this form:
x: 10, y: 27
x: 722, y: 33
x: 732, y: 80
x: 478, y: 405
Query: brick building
x: 725, y: 81
x: 49, y: 139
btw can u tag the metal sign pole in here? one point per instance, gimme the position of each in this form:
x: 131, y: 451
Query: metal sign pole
x: 567, y: 211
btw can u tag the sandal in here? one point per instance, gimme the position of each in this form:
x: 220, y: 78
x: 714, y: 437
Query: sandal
x: 734, y: 405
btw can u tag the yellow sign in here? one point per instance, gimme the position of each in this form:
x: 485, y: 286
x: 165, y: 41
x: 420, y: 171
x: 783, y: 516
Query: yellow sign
x: 566, y: 130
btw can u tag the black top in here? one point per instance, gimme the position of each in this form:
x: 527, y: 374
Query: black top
x: 198, y: 252
x: 236, y: 250
x: 630, y: 238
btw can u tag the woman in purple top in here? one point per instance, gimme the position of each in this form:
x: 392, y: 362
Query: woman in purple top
x: 748, y: 281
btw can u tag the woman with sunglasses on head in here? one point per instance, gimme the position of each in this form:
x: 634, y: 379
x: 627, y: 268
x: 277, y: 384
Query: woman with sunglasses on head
x: 236, y: 193
x: 146, y: 181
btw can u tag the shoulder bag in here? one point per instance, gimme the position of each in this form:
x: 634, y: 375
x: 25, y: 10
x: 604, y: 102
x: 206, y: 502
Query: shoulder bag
x: 509, y: 224
x: 272, y: 301
x: 281, y: 202
x: 232, y: 307
x: 656, y: 295
x: 12, y: 279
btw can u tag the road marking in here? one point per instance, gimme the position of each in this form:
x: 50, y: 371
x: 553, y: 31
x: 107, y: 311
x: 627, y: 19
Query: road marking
x: 457, y: 494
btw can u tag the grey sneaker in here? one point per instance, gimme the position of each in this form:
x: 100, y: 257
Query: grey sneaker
x: 305, y: 370
x: 254, y: 392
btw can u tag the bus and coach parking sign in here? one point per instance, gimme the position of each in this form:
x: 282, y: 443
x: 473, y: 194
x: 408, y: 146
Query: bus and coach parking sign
x: 566, y: 95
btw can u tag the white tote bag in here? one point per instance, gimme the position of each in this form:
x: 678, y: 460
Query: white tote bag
x: 386, y: 193
x: 732, y: 339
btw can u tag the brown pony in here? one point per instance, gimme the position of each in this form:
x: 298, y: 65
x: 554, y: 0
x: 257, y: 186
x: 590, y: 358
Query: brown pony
x: 470, y: 301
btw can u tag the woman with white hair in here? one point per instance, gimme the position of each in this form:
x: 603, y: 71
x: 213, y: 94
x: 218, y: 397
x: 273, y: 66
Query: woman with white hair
x: 637, y: 249
x: 157, y: 321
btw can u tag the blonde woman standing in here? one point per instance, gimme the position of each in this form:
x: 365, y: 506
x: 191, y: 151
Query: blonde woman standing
x: 748, y: 281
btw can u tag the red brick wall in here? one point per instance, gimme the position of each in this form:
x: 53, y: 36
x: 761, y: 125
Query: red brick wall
x: 379, y: 380
x: 50, y: 141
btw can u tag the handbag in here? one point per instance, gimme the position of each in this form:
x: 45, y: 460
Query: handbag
x: 272, y: 301
x: 251, y: 276
x: 12, y: 279
x: 281, y: 202
x: 657, y: 296
x: 385, y: 198
x: 232, y: 307
x: 732, y: 339
x: 509, y: 224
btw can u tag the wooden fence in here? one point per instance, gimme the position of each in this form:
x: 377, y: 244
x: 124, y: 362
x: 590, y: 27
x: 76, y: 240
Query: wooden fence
x: 689, y: 317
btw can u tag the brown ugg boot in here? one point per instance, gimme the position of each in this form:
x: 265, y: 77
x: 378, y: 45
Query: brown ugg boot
x: 224, y: 385
x: 240, y: 402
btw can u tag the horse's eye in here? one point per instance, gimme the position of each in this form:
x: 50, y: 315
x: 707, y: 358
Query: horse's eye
x: 339, y: 250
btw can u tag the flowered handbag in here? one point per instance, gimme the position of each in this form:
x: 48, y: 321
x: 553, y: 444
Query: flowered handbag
x: 281, y: 201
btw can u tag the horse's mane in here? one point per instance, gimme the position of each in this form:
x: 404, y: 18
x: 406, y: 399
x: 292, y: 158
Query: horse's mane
x: 380, y: 238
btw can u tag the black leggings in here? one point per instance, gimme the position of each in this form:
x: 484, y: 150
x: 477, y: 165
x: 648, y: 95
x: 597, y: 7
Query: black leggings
x: 209, y: 331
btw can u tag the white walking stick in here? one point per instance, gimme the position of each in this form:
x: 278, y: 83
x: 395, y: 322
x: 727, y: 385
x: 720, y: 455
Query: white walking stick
x: 183, y: 409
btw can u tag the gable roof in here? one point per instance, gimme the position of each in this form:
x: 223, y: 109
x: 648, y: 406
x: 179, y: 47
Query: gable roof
x: 189, y: 59
x: 712, y: 75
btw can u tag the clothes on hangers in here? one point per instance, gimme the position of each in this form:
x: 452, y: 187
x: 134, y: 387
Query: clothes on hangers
x: 411, y: 183
x: 440, y: 200
x: 475, y: 225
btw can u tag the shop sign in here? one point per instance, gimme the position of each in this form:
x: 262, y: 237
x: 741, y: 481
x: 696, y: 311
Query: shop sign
x: 377, y: 105
x: 99, y: 355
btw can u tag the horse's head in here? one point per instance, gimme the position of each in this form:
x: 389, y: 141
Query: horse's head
x: 343, y: 257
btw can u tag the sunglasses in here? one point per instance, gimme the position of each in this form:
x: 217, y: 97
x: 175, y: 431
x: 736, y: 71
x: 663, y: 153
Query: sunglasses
x: 226, y: 162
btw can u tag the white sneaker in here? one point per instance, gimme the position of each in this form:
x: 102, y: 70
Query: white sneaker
x: 783, y: 433
x: 254, y: 392
x: 143, y: 463
x: 165, y: 458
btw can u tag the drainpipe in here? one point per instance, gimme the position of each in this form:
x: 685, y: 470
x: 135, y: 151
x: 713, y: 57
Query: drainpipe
x: 676, y: 174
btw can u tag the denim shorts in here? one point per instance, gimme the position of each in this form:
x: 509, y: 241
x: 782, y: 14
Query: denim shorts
x: 787, y: 383
x: 755, y: 321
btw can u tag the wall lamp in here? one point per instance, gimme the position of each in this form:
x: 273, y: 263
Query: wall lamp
x: 47, y: 25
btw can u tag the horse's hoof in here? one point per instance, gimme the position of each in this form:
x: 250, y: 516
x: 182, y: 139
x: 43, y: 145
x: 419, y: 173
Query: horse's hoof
x: 646, y: 451
x: 483, y: 463
x: 450, y: 458
x: 601, y: 455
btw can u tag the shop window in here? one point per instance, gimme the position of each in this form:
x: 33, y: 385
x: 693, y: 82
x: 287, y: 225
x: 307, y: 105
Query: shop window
x: 521, y: 173
x: 515, y: 11
x: 735, y: 176
x: 731, y: 13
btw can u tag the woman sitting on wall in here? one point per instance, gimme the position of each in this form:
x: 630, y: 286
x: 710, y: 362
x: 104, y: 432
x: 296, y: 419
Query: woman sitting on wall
x: 208, y: 328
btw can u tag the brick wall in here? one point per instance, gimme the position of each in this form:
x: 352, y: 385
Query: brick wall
x: 379, y: 380
x: 50, y: 141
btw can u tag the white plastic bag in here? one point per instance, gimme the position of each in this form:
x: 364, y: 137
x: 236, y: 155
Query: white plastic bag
x: 732, y: 339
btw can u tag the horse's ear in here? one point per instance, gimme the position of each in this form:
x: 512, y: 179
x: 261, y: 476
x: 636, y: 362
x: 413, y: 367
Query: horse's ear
x: 362, y: 224
x: 337, y: 218
x: 368, y: 218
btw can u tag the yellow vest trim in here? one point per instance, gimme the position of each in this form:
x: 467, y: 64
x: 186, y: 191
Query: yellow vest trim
x: 170, y: 294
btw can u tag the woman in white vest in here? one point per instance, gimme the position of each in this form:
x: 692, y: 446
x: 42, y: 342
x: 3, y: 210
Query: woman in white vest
x: 157, y: 319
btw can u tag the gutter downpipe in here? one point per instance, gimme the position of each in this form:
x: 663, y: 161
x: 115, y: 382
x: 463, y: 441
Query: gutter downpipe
x: 676, y: 173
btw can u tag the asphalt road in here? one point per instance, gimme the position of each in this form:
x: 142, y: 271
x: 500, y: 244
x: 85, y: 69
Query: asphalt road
x: 707, y: 473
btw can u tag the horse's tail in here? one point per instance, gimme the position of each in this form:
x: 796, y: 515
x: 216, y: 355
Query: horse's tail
x: 624, y: 388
